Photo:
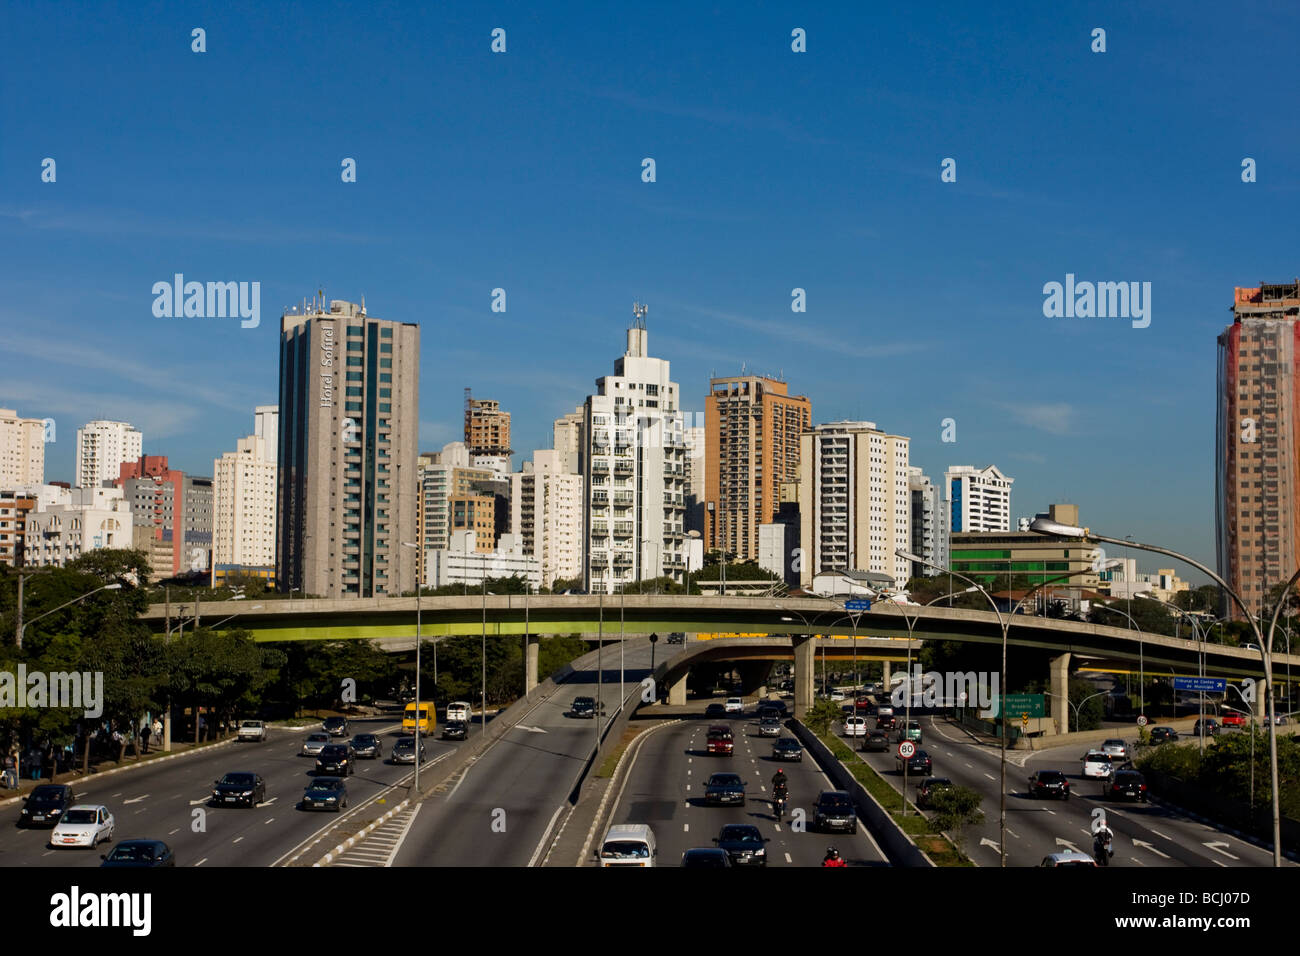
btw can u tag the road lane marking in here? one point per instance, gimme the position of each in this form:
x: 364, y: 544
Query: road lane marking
x: 177, y: 830
x: 990, y: 776
x: 202, y: 861
x: 787, y: 858
x: 686, y: 828
x: 1158, y: 833
x: 136, y: 799
x: 268, y: 820
x: 236, y: 839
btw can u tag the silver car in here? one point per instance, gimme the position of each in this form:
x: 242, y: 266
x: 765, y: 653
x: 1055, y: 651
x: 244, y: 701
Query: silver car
x: 769, y: 727
x: 1115, y: 747
x: 315, y: 743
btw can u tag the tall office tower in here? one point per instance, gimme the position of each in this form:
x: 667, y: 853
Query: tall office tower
x: 635, y: 464
x: 696, y: 470
x: 487, y: 434
x: 22, y: 449
x: 979, y: 499
x: 102, y: 448
x: 349, y: 422
x: 854, y: 501
x: 177, y: 507
x: 546, y: 515
x: 569, y: 443
x: 929, y: 523
x: 1257, y: 453
x: 752, y: 428
x: 243, y: 502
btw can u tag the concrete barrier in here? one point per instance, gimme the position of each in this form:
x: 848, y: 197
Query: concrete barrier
x: 898, y: 846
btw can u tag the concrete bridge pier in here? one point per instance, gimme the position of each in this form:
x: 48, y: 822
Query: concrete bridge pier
x: 1060, y: 668
x: 530, y: 662
x: 677, y: 691
x: 805, y: 656
x: 888, y: 674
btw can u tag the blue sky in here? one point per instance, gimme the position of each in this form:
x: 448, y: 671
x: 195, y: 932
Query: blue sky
x: 775, y: 170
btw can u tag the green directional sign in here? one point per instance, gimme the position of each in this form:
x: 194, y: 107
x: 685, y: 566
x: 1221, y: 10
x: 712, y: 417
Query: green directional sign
x: 1018, y: 705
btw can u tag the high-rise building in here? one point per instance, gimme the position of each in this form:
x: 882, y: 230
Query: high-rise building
x: 854, y: 501
x: 546, y: 515
x: 696, y: 471
x: 475, y: 513
x: 929, y: 524
x: 635, y: 471
x: 66, y: 525
x: 441, y: 475
x: 752, y: 430
x: 349, y: 421
x: 487, y: 434
x: 102, y: 448
x: 569, y: 443
x: 1257, y: 454
x: 15, y: 505
x: 243, y: 493
x: 22, y: 449
x: 176, y: 506
x: 979, y: 499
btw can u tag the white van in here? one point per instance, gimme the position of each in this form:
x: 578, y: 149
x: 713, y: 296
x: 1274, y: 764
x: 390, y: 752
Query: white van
x: 629, y: 844
x: 458, y: 710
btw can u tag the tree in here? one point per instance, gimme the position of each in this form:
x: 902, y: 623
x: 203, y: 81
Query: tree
x: 954, y: 808
x: 820, y: 715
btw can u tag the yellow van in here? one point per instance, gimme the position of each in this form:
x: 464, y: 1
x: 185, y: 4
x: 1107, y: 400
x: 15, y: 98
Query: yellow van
x: 428, y: 718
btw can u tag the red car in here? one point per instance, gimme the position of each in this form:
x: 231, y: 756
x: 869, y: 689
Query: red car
x: 721, y: 740
x: 1233, y: 719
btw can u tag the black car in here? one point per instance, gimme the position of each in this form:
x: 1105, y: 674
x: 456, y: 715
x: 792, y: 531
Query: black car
x: 929, y: 788
x: 1126, y: 785
x: 366, y: 745
x: 1160, y: 734
x: 834, y: 811
x: 1049, y: 783
x: 404, y: 750
x: 1211, y: 727
x: 706, y: 858
x: 455, y: 730
x: 337, y: 760
x: 715, y: 710
x: 335, y: 726
x: 918, y: 763
x: 743, y: 843
x: 139, y: 854
x: 325, y: 793
x: 876, y: 740
x: 236, y: 788
x: 45, y: 805
x: 677, y: 637
x: 585, y: 707
x: 787, y: 748
x: 776, y: 706
x: 724, y: 789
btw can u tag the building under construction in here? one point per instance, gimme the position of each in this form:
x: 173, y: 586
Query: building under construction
x: 487, y: 433
x: 1257, y: 516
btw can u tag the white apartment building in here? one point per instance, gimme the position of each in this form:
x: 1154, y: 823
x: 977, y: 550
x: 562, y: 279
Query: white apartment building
x: 855, y: 502
x: 441, y: 475
x: 102, y: 448
x: 979, y: 499
x: 244, y: 489
x: 66, y: 525
x: 635, y: 471
x: 546, y: 515
x: 569, y: 443
x: 461, y: 564
x: 22, y: 449
x: 929, y: 523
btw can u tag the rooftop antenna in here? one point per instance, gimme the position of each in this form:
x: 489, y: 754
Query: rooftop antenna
x: 363, y: 305
x: 639, y: 311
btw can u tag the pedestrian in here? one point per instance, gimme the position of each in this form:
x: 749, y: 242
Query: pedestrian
x: 11, y: 770
x: 157, y: 731
x: 144, y: 739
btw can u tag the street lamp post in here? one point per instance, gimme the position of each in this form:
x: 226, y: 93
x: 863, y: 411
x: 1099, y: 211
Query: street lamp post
x: 1251, y: 711
x: 22, y: 628
x: 1056, y: 529
x: 1078, y: 708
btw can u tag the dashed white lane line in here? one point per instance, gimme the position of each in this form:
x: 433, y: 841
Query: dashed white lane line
x: 268, y: 820
x: 990, y: 776
x: 202, y: 861
x: 971, y: 766
x: 787, y: 858
x: 686, y: 828
x: 172, y: 832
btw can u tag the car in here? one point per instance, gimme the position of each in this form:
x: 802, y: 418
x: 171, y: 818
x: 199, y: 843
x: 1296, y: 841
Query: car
x: 138, y: 854
x: 83, y: 825
x: 930, y: 787
x: 834, y: 811
x: 743, y: 843
x: 1250, y: 647
x: 404, y: 750
x: 912, y: 731
x: 314, y: 744
x: 715, y: 710
x: 1115, y: 747
x: 585, y: 708
x: 864, y: 705
x: 1096, y: 765
x: 855, y: 726
x: 253, y: 730
x: 720, y: 740
x: 1161, y: 734
x: 706, y: 858
x: 1210, y: 725
x: 335, y: 726
x: 776, y: 707
x: 1068, y: 858
x: 787, y: 748
x: 45, y: 805
x: 876, y: 740
x: 367, y: 745
x: 1049, y: 783
x: 239, y: 788
x: 724, y: 789
x: 459, y: 710
x: 734, y: 705
x: 1232, y: 718
x: 837, y: 696
x: 884, y: 710
x: 1126, y: 785
x: 919, y: 762
x: 677, y: 637
x: 455, y: 730
x: 628, y: 844
x: 769, y: 727
x: 337, y: 760
x: 326, y: 793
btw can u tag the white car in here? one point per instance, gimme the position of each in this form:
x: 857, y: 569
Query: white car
x: 837, y: 695
x: 458, y: 710
x: 1096, y: 765
x: 83, y: 825
x: 855, y: 726
x: 252, y: 730
x: 734, y: 705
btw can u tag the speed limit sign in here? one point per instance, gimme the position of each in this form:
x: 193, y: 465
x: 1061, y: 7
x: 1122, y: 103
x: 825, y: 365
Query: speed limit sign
x: 906, y: 749
x: 1142, y: 720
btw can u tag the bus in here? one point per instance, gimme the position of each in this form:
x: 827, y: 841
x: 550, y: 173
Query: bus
x: 428, y: 718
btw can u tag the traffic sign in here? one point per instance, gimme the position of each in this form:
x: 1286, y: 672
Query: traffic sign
x: 1031, y: 704
x: 654, y: 638
x: 1024, y: 720
x: 1142, y: 720
x: 857, y: 605
x: 1214, y: 685
x: 906, y: 749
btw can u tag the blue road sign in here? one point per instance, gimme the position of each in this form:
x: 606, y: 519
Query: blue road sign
x: 1214, y: 685
x: 857, y: 605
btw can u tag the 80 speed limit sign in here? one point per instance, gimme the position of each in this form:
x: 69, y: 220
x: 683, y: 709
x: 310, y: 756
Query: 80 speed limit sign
x: 906, y: 749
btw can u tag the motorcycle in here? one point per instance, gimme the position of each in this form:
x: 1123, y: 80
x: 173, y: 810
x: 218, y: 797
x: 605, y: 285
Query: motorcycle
x: 778, y: 806
x: 1102, y: 850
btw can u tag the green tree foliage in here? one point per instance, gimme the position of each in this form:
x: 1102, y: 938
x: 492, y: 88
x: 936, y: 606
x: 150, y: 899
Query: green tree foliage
x: 955, y: 808
x: 820, y: 716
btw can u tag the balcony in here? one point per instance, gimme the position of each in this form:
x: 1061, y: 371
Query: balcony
x: 624, y: 497
x: 622, y: 529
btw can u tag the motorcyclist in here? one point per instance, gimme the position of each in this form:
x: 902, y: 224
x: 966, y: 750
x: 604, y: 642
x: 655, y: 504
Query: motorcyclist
x: 1101, y: 844
x: 833, y: 858
x: 779, y: 782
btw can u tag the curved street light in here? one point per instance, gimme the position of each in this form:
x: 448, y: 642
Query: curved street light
x: 26, y: 624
